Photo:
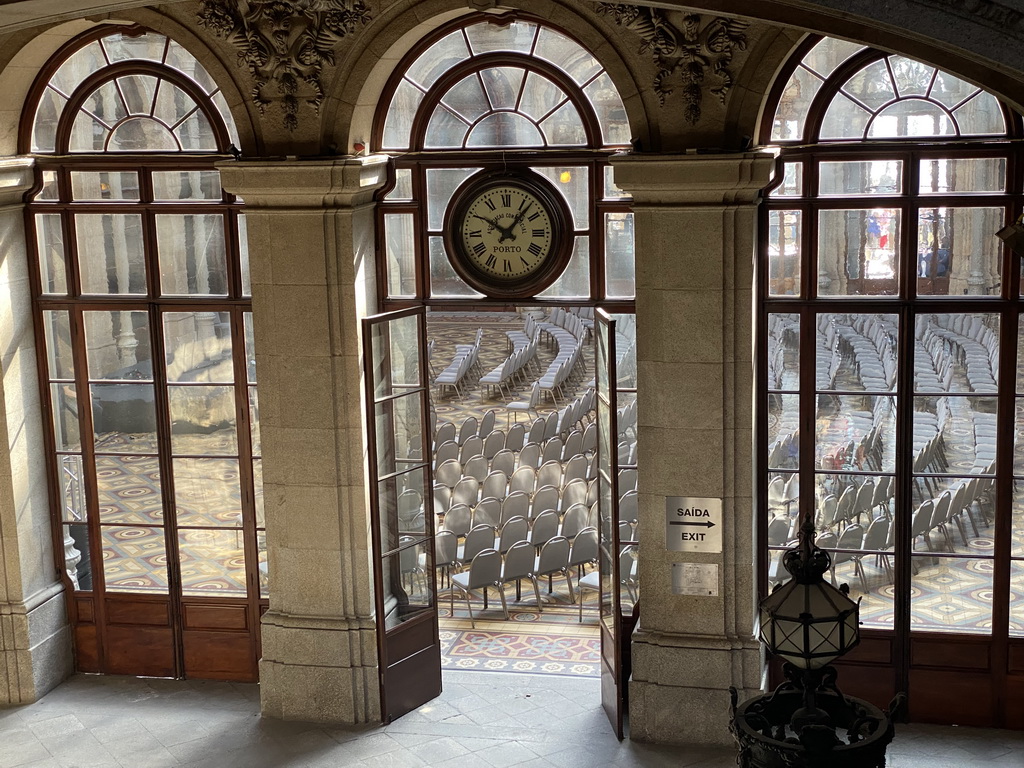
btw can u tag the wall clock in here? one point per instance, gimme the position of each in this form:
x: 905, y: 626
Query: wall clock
x: 508, y: 234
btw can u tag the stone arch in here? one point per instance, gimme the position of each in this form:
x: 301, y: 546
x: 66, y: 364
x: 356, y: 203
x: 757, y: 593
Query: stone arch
x: 352, y: 99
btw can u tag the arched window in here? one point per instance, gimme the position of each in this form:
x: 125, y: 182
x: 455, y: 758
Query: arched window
x: 890, y: 338
x: 143, y: 310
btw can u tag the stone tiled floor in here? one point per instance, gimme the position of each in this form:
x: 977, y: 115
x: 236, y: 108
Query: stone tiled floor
x: 481, y: 720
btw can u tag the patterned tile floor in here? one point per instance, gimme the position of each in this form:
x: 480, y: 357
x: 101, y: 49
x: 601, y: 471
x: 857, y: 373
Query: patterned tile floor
x: 479, y: 721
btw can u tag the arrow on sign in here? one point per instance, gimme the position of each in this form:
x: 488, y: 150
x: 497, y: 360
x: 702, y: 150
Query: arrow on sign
x: 707, y: 524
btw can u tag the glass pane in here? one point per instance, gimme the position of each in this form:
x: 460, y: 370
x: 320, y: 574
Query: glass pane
x: 956, y: 353
x: 59, y: 358
x: 540, y: 96
x: 403, y: 185
x: 504, y: 129
x: 243, y: 254
x: 783, y: 431
x: 44, y: 127
x: 785, y: 229
x: 845, y: 119
x: 793, y: 105
x: 396, y: 356
x: 186, y: 185
x: 826, y: 56
x: 400, y: 246
x: 264, y: 570
x: 489, y: 38
x: 574, y: 282
x: 953, y: 435
x: 611, y: 113
x: 76, y: 556
x: 202, y: 420
x: 401, y: 508
x: 48, y: 191
x: 912, y: 77
x: 951, y: 91
x: 149, y: 46
x: 197, y: 346
x: 193, y: 256
x: 856, y: 432
x: 186, y: 63
x: 792, y: 181
x: 783, y: 351
x: 564, y: 127
x: 106, y: 104
x: 1016, y: 598
x: 172, y: 104
x: 104, y: 185
x: 257, y: 480
x: 868, y: 177
x: 87, y: 134
x: 441, y: 57
x: 118, y: 345
x: 466, y: 99
x: 870, y: 576
x: 966, y: 174
x: 225, y: 114
x: 956, y: 253
x: 78, y: 66
x: 980, y: 116
x: 913, y: 117
x: 625, y: 366
x: 441, y: 185
x: 206, y: 493
x: 573, y: 182
x: 611, y: 191
x: 872, y: 86
x: 250, y: 347
x: 139, y: 92
x: 620, y: 278
x: 443, y: 280
x: 134, y: 560
x: 402, y: 112
x: 66, y: 428
x: 110, y: 253
x: 71, y: 475
x: 949, y: 520
x: 856, y: 353
x: 399, y: 428
x: 858, y: 252
x: 445, y: 130
x: 50, y: 244
x: 124, y: 418
x: 141, y: 134
x: 212, y: 563
x: 951, y: 595
x: 407, y: 584
x: 502, y: 85
x: 254, y: 421
x: 129, y: 488
x: 567, y: 55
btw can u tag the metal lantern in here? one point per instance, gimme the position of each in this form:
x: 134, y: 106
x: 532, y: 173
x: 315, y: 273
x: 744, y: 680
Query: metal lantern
x: 807, y: 621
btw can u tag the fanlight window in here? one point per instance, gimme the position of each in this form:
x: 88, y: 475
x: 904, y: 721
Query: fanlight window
x: 888, y: 98
x: 505, y: 105
x: 137, y: 110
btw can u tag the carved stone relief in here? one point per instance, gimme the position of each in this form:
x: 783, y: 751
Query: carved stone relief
x: 285, y: 43
x: 687, y: 54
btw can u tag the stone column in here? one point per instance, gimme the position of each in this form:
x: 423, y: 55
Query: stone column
x: 311, y: 250
x: 35, y: 639
x: 695, y: 218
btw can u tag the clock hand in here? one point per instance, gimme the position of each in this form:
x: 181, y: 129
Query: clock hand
x: 510, y: 232
x: 491, y: 222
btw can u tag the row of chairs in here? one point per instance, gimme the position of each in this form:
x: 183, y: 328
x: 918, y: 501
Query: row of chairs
x: 465, y: 359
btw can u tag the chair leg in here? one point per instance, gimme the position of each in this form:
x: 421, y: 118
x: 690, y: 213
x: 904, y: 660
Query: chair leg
x: 472, y: 621
x: 536, y: 592
x: 504, y: 607
x: 568, y: 583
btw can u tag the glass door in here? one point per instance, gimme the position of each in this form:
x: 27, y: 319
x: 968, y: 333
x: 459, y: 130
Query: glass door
x: 608, y: 530
x: 400, y: 496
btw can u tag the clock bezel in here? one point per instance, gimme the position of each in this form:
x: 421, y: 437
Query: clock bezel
x: 561, y: 238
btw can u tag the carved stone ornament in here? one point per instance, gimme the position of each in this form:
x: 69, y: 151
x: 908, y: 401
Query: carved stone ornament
x: 284, y: 42
x: 685, y: 54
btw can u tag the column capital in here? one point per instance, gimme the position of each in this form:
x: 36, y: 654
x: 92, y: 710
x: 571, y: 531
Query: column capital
x: 693, y: 180
x: 305, y: 184
x: 16, y: 178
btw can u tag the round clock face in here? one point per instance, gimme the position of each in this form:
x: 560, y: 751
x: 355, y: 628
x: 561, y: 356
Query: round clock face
x: 507, y: 235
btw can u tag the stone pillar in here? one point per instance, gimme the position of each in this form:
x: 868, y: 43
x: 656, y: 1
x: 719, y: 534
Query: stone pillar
x: 311, y: 250
x: 695, y: 218
x: 35, y: 639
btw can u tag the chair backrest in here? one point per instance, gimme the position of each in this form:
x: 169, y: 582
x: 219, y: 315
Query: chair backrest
x: 552, y: 450
x: 523, y: 479
x: 574, y: 492
x: 516, y: 529
x: 469, y: 428
x: 545, y: 526
x: 877, y: 534
x: 829, y: 507
x: 495, y: 484
x: 536, y: 434
x: 481, y: 537
x: 922, y: 520
x: 466, y: 491
x: 846, y: 506
x: 778, y: 531
x: 535, y: 394
x: 530, y: 455
x: 516, y: 437
x: 486, y: 424
x: 827, y: 540
x: 519, y: 561
x: 544, y: 499
x: 488, y: 512
x: 625, y: 531
x: 576, y: 468
x: 551, y: 425
x: 590, y: 438
x: 940, y: 512
x: 494, y: 443
x: 584, y: 547
x: 627, y: 563
x: 448, y: 473
x: 852, y: 537
x: 865, y: 496
x: 473, y: 446
x: 504, y: 461
x: 554, y: 556
x: 442, y: 498
x: 446, y: 451
x: 477, y: 467
x: 446, y: 548
x: 629, y: 507
x: 410, y: 503
x: 516, y: 504
x: 550, y: 473
x: 574, y: 520
x: 573, y: 445
x: 627, y: 480
x: 445, y: 432
x: 776, y: 492
x: 457, y: 519
x: 485, y: 569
